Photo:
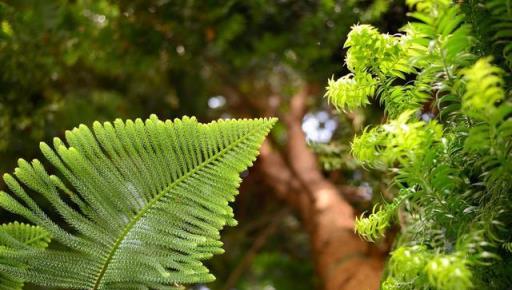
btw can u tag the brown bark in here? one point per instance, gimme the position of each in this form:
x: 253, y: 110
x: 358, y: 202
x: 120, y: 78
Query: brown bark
x: 343, y: 261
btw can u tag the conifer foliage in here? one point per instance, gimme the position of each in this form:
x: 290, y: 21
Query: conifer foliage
x: 143, y: 203
x: 447, y: 140
x: 17, y: 236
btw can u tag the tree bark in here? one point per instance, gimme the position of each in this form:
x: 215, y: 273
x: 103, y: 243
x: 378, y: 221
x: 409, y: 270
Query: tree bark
x: 342, y: 260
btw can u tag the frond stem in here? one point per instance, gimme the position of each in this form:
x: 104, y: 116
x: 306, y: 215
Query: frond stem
x: 135, y: 219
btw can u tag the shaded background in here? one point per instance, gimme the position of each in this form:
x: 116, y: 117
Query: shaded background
x: 64, y: 63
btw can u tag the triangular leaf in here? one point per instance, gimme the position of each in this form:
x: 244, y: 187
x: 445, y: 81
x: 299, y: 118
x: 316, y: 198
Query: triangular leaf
x: 143, y: 201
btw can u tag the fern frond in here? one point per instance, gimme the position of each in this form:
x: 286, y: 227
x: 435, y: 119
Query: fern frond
x: 374, y: 226
x: 408, y: 263
x: 18, y: 236
x: 484, y: 101
x: 134, y: 195
x: 449, y: 272
x: 379, y: 54
x: 391, y: 283
x: 432, y: 49
x: 484, y: 89
x: 400, y: 140
x: 413, y: 267
x: 349, y: 92
x: 427, y: 5
x: 502, y: 26
x: 400, y: 99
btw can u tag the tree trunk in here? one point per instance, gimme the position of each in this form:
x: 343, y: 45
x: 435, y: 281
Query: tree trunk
x: 342, y: 259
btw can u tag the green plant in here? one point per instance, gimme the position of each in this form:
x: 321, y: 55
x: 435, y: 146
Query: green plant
x: 447, y: 140
x: 501, y: 11
x: 14, y: 237
x: 143, y: 202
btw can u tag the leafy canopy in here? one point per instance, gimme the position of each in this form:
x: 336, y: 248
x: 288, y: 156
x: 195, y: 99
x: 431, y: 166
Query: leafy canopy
x: 143, y: 202
x: 65, y: 62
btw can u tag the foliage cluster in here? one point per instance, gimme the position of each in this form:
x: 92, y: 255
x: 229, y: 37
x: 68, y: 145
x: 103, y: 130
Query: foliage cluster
x: 445, y: 87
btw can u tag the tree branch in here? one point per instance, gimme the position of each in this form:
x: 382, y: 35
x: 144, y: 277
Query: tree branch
x: 259, y: 242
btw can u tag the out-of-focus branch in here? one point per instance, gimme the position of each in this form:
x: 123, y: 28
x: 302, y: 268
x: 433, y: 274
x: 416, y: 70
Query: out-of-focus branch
x: 305, y: 165
x: 295, y: 173
x: 343, y: 261
x: 301, y: 158
x: 285, y: 184
x: 259, y: 242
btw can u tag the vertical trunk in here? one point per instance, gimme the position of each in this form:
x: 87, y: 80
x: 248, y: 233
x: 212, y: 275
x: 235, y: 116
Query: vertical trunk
x: 342, y: 259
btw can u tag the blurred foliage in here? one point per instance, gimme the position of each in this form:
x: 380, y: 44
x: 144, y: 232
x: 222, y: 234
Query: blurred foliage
x: 333, y: 156
x: 282, y: 265
x: 336, y: 155
x: 275, y: 270
x: 66, y: 62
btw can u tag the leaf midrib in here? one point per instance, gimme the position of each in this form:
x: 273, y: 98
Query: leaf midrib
x: 36, y: 238
x: 143, y: 211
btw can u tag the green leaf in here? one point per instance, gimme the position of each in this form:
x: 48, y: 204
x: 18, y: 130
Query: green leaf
x: 18, y: 236
x: 143, y: 202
